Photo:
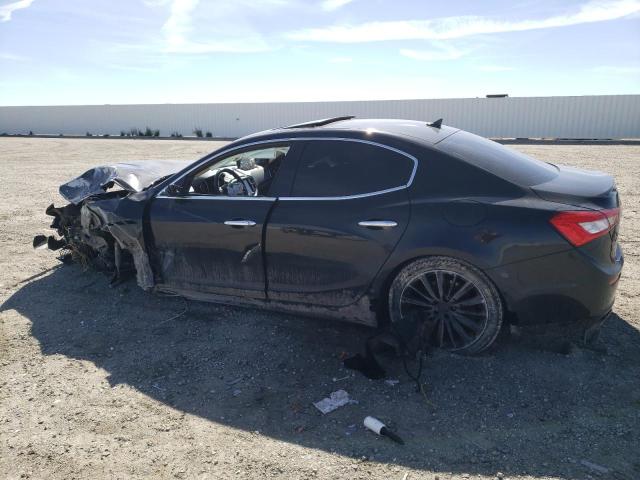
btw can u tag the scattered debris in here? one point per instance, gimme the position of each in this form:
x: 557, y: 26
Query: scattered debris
x: 337, y: 399
x: 376, y: 426
x: 368, y: 364
x: 594, y: 466
x: 350, y: 429
x: 177, y: 315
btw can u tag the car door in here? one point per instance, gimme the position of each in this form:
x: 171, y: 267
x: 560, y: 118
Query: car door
x: 212, y: 243
x: 347, y: 210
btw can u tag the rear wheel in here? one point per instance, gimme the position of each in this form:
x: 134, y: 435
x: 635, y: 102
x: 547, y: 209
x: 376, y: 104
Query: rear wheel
x: 458, y: 302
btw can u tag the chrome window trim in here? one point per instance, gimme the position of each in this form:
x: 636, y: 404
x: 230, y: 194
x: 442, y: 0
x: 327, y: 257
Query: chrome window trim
x: 346, y: 197
x: 204, y: 196
x: 163, y: 194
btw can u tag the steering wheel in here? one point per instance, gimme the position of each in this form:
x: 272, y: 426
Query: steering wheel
x: 235, y: 175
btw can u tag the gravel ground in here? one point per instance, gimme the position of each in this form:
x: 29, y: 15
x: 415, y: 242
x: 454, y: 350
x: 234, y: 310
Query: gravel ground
x: 116, y: 383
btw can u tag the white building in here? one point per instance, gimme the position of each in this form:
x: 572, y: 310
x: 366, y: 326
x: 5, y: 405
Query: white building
x: 592, y: 117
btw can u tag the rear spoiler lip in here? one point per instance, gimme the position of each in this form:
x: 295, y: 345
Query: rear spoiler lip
x: 584, y: 189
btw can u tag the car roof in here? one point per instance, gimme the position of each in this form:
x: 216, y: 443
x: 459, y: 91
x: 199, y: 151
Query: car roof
x: 415, y: 130
x: 420, y: 130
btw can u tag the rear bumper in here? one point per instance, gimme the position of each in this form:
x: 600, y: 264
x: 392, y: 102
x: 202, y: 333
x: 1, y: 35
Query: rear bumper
x: 567, y: 288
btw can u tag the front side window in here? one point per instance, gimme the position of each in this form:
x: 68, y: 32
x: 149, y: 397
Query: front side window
x: 248, y: 173
x: 330, y: 168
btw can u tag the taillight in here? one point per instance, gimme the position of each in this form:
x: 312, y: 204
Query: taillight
x: 583, y: 226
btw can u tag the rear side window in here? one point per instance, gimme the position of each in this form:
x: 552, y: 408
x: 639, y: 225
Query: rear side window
x: 502, y: 161
x: 330, y: 168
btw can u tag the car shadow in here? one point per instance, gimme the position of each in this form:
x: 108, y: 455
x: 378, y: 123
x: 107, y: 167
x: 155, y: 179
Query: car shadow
x: 520, y: 409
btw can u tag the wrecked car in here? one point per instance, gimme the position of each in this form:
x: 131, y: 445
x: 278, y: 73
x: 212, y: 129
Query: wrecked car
x: 380, y: 222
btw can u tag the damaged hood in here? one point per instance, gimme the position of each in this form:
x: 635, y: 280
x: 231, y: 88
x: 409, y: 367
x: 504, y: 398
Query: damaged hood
x: 131, y: 176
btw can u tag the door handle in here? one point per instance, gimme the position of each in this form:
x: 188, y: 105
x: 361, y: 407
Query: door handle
x: 378, y: 223
x: 240, y: 223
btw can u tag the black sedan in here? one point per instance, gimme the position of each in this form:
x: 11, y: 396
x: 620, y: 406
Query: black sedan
x: 381, y: 222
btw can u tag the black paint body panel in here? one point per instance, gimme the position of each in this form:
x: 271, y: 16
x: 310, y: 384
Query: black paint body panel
x: 194, y: 249
x: 317, y: 253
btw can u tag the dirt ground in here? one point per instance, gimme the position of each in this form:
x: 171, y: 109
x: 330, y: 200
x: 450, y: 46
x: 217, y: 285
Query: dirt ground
x: 99, y: 382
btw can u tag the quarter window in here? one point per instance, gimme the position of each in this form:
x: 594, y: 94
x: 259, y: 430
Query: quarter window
x: 342, y: 168
x: 502, y: 161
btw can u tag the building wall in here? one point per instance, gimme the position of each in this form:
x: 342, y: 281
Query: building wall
x: 603, y: 116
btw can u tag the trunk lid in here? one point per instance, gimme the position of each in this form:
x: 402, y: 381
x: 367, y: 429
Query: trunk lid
x: 581, y: 188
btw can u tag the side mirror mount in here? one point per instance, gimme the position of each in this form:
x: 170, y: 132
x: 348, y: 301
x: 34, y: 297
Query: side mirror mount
x: 176, y: 189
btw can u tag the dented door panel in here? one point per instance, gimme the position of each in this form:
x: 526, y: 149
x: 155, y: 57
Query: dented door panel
x: 195, y: 250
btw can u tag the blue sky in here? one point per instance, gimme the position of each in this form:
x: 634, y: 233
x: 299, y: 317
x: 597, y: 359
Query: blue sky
x: 174, y: 51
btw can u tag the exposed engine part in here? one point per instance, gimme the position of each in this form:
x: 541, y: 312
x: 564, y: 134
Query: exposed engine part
x: 85, y: 241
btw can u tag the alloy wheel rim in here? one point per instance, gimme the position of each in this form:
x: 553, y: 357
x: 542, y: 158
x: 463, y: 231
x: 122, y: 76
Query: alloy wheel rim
x: 455, y: 305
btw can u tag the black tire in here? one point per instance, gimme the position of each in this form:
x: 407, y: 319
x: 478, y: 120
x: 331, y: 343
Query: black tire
x: 458, y: 300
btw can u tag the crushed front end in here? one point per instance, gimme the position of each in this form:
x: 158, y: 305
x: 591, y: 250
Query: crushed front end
x: 102, y: 227
x: 104, y: 233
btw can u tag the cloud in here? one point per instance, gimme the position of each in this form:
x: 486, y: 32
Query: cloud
x: 179, y: 22
x: 341, y: 60
x: 440, y: 52
x: 9, y: 8
x: 463, y: 26
x: 155, y: 3
x: 495, y: 68
x: 232, y: 35
x: 618, y: 69
x: 243, y: 45
x: 13, y: 57
x: 130, y: 68
x: 330, y: 5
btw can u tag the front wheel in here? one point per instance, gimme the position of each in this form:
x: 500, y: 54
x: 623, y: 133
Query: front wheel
x: 457, y: 301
